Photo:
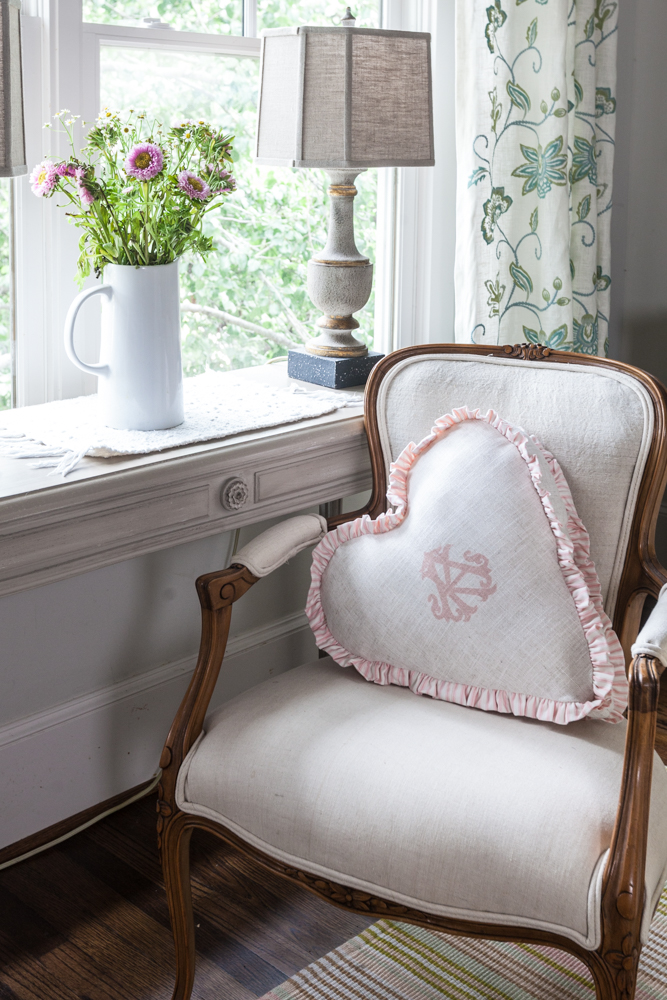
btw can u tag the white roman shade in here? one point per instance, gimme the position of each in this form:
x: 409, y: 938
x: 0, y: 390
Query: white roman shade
x: 345, y: 97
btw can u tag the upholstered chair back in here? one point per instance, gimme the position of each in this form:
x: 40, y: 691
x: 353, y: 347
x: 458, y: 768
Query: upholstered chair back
x: 597, y: 421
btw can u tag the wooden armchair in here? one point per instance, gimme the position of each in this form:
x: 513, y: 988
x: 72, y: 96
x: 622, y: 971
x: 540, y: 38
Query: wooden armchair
x: 281, y: 771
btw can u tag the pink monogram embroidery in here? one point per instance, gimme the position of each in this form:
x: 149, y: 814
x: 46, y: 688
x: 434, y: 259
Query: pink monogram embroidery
x: 450, y: 578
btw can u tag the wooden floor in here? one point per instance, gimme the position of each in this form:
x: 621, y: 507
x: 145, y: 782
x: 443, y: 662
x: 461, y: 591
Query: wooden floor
x: 87, y: 920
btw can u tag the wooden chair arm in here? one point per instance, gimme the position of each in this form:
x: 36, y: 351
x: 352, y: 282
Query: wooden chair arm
x: 217, y: 593
x: 623, y: 879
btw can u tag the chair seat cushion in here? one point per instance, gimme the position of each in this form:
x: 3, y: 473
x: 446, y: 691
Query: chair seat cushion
x: 479, y: 587
x: 426, y: 803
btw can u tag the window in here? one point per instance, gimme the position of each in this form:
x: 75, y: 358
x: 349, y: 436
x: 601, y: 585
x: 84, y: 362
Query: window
x: 202, y: 60
x: 264, y: 233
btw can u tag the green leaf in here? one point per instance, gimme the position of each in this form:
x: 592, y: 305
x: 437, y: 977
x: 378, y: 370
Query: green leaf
x: 531, y: 34
x: 557, y: 336
x: 560, y: 112
x: 590, y: 26
x: 518, y: 96
x: 546, y: 295
x: 555, y: 94
x: 521, y: 278
x: 558, y: 284
x: 584, y: 207
x: 476, y: 176
x: 572, y: 270
x: 532, y: 336
x: 578, y: 91
x: 562, y: 301
x: 534, y: 218
x: 544, y: 107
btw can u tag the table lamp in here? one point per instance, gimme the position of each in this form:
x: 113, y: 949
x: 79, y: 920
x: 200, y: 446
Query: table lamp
x: 344, y: 99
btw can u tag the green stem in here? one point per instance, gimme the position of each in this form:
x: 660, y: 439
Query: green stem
x: 105, y: 228
x: 120, y: 231
x: 146, y: 233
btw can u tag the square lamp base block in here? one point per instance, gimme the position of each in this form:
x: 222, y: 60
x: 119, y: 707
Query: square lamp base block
x: 334, y: 373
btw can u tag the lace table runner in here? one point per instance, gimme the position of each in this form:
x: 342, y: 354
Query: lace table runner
x: 217, y: 405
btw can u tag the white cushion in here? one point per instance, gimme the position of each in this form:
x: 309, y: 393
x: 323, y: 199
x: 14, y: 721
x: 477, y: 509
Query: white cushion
x: 463, y: 813
x: 479, y: 588
x: 598, y: 423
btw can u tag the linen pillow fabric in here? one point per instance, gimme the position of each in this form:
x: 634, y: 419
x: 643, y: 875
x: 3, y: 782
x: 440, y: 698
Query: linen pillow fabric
x: 478, y: 587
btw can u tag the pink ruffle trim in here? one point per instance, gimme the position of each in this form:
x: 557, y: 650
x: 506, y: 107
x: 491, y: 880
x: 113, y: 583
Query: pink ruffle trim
x: 573, y: 546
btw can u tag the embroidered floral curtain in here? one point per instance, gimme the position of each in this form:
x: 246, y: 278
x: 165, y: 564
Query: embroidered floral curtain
x: 535, y: 147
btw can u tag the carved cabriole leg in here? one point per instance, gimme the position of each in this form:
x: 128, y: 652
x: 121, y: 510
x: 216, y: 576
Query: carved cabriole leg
x: 175, y: 852
x: 217, y: 593
x: 623, y: 892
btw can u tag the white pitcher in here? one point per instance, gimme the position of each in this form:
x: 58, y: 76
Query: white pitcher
x: 140, y: 372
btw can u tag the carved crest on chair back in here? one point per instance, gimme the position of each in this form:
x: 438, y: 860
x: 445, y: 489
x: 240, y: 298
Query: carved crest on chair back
x: 527, y: 352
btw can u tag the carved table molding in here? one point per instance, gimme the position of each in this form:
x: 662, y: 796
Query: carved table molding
x: 56, y: 529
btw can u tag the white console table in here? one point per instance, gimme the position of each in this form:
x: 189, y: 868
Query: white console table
x: 108, y: 510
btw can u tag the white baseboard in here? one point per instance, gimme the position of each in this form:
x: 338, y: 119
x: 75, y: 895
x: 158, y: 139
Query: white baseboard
x: 59, y: 762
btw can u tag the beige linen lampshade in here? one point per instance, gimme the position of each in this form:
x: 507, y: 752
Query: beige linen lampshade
x: 345, y: 97
x: 12, y: 137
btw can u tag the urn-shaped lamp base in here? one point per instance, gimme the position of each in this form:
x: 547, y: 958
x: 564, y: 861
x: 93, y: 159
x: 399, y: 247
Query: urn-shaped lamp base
x: 339, y: 277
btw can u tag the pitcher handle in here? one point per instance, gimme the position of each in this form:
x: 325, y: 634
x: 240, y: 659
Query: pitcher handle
x: 70, y: 320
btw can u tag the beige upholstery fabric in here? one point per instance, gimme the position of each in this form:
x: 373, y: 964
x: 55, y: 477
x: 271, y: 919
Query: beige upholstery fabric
x: 280, y: 543
x: 456, y: 811
x: 597, y: 422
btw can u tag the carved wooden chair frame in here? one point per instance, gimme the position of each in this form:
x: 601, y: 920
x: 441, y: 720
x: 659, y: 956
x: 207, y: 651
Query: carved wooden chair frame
x: 614, y: 964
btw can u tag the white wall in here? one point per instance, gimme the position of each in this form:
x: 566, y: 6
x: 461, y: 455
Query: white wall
x: 93, y: 669
x: 638, y: 327
x: 639, y: 221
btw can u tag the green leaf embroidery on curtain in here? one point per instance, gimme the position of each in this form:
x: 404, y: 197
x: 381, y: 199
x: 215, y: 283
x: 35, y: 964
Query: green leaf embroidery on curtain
x: 537, y: 171
x: 544, y: 167
x: 521, y: 278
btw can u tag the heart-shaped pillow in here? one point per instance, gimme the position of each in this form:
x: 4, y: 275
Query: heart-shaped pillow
x: 478, y: 588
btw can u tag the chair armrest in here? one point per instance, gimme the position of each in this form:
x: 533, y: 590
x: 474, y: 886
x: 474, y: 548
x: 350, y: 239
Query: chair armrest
x: 217, y: 593
x: 280, y: 543
x: 652, y: 640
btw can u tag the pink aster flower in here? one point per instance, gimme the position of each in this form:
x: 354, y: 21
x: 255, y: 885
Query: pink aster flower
x: 145, y: 161
x: 43, y: 179
x: 193, y: 186
x: 84, y: 194
x: 65, y: 169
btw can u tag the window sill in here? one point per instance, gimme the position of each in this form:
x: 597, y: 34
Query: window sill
x: 113, y: 509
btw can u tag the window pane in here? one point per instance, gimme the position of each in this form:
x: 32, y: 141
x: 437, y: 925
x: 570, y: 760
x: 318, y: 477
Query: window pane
x: 283, y: 13
x: 264, y: 233
x: 211, y: 16
x: 5, y: 297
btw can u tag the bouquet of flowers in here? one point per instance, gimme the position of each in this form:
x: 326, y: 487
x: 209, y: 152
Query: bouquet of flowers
x: 138, y: 191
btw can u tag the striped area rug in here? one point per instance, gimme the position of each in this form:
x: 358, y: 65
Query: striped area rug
x: 395, y: 961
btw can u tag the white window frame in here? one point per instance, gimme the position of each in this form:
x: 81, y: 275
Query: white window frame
x: 415, y: 239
